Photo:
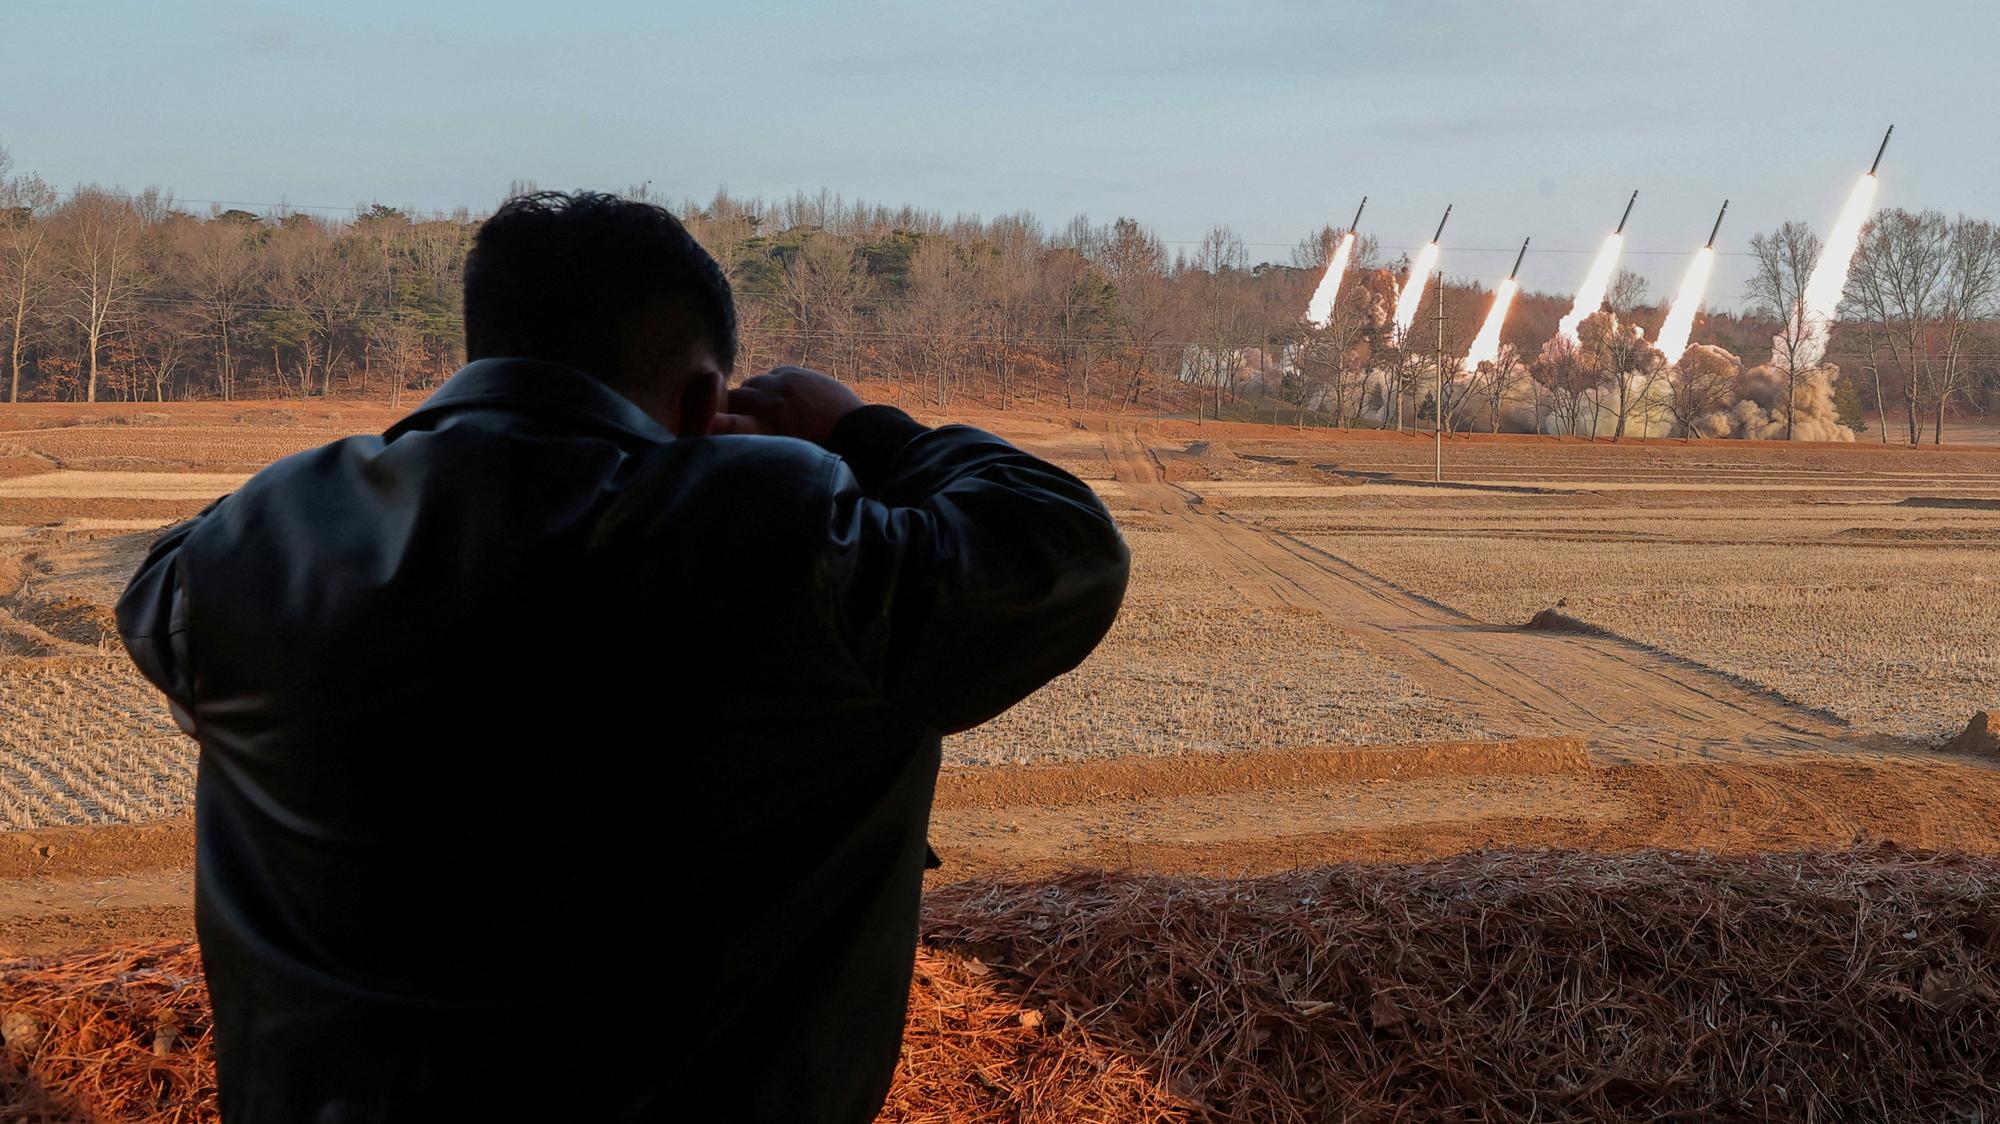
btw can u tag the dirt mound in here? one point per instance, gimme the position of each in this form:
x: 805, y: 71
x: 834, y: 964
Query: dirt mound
x: 142, y: 417
x: 1964, y: 502
x: 1980, y: 738
x: 78, y: 620
x: 20, y: 639
x: 271, y: 416
x: 18, y: 460
x: 1916, y: 534
x: 1555, y: 620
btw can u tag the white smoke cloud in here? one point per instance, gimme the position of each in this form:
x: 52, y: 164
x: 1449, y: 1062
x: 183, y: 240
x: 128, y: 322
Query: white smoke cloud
x: 1758, y: 412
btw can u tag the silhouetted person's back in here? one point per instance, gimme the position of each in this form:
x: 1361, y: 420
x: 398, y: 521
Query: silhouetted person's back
x: 567, y: 750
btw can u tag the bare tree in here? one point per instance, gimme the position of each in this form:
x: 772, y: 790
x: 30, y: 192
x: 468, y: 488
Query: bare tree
x: 1136, y: 262
x: 1009, y: 281
x: 1462, y: 390
x: 1501, y: 382
x: 1627, y: 293
x: 1971, y: 298
x: 1704, y: 383
x: 25, y: 203
x: 1083, y: 303
x: 1629, y: 365
x: 1777, y: 287
x: 1897, y: 284
x: 1565, y: 371
x: 163, y: 345
x: 823, y: 286
x: 1222, y: 329
x: 935, y: 316
x: 98, y: 238
x: 1924, y: 284
x: 322, y: 281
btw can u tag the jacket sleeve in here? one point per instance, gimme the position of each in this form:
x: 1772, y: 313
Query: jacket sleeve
x: 152, y: 621
x: 964, y: 572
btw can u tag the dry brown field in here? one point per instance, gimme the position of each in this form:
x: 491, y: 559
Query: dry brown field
x: 1768, y: 642
x: 1324, y: 658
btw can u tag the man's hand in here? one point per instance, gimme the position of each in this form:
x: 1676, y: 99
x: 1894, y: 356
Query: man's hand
x: 787, y: 402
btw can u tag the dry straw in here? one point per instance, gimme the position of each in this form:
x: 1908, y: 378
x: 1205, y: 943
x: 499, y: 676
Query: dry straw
x: 1547, y: 986
x: 1544, y: 986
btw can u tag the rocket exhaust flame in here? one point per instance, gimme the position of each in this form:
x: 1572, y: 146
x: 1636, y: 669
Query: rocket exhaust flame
x: 1679, y: 326
x: 1412, y: 293
x: 1829, y: 278
x: 1590, y: 295
x: 1319, y: 310
x: 1486, y: 345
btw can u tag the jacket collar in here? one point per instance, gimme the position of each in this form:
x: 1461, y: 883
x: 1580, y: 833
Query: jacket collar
x: 535, y: 386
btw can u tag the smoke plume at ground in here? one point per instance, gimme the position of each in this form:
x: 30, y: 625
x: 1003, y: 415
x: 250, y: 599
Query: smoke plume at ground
x: 1758, y: 411
x: 1649, y: 398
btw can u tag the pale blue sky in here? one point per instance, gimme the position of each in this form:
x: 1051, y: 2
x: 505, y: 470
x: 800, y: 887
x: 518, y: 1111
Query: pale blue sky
x: 1534, y: 118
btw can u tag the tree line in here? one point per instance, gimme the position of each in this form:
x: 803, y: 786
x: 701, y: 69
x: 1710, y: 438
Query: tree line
x: 109, y: 295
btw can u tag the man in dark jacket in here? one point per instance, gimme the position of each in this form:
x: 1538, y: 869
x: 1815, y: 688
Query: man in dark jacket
x: 567, y: 750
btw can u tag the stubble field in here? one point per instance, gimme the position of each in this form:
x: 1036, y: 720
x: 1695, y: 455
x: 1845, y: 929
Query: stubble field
x: 1324, y: 659
x: 1292, y: 591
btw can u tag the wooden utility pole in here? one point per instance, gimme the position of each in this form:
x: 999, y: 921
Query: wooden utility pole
x: 1437, y: 404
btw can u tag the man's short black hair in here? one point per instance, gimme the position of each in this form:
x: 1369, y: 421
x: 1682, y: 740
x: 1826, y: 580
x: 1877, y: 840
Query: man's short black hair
x: 567, y: 276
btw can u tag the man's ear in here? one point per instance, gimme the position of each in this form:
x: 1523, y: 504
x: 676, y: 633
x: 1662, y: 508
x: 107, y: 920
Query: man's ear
x: 700, y: 399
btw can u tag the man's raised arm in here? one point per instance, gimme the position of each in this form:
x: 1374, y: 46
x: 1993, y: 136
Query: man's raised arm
x: 963, y: 572
x: 152, y: 620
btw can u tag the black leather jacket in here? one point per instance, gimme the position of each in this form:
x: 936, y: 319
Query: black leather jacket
x: 553, y: 768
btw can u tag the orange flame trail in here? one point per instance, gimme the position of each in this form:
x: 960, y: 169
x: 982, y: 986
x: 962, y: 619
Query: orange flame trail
x: 1486, y: 345
x: 1829, y: 278
x: 1412, y: 293
x: 1590, y: 297
x: 1319, y: 310
x: 1674, y: 333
